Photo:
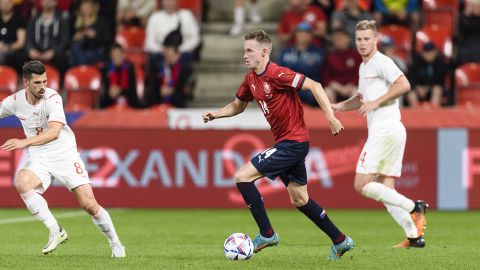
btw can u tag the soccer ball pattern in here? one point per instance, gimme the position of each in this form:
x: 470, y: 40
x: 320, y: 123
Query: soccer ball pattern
x: 238, y: 246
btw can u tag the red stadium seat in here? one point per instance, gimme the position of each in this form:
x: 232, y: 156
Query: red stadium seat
x: 438, y: 36
x: 132, y: 40
x: 469, y: 97
x: 402, y: 39
x: 467, y: 75
x: 8, y: 81
x: 53, y: 78
x: 440, y: 4
x: 82, y: 84
x: 467, y: 82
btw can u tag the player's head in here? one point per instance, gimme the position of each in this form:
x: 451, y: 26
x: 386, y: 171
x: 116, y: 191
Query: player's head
x: 35, y: 78
x: 366, y: 37
x: 257, y: 48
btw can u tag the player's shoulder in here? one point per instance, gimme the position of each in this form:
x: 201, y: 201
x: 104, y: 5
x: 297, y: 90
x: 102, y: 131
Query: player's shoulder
x: 380, y: 58
x: 276, y: 71
x: 50, y: 93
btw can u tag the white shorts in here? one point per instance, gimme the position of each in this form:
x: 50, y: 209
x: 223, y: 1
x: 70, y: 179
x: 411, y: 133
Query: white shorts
x: 69, y: 171
x: 383, y: 155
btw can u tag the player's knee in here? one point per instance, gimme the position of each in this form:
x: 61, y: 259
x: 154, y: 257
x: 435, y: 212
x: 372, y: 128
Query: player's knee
x: 22, y: 181
x: 299, y: 202
x: 239, y: 177
x: 359, y: 186
x: 90, y: 206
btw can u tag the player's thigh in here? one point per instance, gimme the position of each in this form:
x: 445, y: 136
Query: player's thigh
x: 34, y: 175
x: 298, y: 194
x: 247, y: 173
x: 70, y: 172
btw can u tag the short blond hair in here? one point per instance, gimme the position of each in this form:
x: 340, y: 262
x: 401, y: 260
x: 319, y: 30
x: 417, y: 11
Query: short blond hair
x: 366, y: 25
x: 261, y: 37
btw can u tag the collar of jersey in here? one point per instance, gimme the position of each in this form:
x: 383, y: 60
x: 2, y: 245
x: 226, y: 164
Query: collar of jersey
x: 263, y: 72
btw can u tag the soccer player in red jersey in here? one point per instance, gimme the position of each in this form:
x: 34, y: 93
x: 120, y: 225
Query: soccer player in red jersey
x: 275, y: 88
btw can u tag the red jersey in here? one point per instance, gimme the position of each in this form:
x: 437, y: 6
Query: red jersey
x: 275, y: 91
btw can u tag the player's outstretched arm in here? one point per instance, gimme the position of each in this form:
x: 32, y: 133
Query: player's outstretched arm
x: 235, y: 107
x: 43, y: 138
x: 322, y: 99
x: 353, y: 103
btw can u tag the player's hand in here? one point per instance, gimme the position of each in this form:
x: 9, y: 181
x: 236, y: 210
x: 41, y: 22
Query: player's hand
x: 208, y: 116
x: 335, y: 126
x: 13, y: 144
x: 368, y: 107
x: 336, y: 107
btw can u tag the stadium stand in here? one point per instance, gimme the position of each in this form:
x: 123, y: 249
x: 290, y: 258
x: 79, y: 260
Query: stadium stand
x: 82, y: 84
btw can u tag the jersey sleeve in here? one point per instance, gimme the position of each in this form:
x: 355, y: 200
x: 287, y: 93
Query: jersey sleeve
x: 389, y: 70
x: 6, y: 107
x: 55, y: 109
x: 243, y: 92
x: 288, y: 79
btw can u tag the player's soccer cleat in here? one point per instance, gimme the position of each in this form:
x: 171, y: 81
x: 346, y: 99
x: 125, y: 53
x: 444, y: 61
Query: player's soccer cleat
x: 419, y: 218
x: 118, y: 251
x: 409, y: 243
x: 54, y: 240
x: 337, y: 251
x: 261, y: 242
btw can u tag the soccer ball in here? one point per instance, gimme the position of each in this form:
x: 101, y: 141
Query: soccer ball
x: 238, y: 246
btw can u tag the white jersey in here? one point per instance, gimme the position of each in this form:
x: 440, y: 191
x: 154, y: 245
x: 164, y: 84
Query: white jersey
x: 35, y: 119
x: 375, y: 78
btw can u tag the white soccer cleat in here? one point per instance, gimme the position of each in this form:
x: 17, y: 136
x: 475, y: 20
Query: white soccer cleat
x: 54, y: 240
x: 118, y: 251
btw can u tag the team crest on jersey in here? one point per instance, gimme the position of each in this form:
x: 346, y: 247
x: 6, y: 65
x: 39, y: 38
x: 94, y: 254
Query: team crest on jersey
x: 268, y: 89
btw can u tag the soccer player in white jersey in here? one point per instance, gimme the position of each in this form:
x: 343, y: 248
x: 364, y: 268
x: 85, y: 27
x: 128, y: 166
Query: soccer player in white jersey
x: 381, y: 83
x: 52, y: 154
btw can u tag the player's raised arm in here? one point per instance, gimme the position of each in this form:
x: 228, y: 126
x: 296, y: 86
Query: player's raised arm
x: 322, y: 99
x: 235, y: 107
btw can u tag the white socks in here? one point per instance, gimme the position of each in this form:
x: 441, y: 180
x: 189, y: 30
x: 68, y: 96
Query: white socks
x: 38, y: 206
x: 239, y: 16
x: 404, y: 219
x: 104, y: 223
x: 382, y: 193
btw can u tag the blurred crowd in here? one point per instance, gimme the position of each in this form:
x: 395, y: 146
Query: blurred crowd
x: 143, y: 50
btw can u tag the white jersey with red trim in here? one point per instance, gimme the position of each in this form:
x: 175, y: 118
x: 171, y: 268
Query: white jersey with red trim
x: 375, y: 78
x: 35, y: 119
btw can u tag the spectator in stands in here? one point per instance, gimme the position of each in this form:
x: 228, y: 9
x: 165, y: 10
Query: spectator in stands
x: 239, y: 16
x: 300, y: 11
x: 304, y: 58
x: 427, y: 76
x: 91, y: 35
x: 64, y: 6
x: 403, y: 12
x: 348, y: 18
x: 167, y: 21
x: 340, y: 74
x: 387, y: 47
x: 48, y: 37
x: 469, y: 33
x: 119, y: 84
x: 12, y: 36
x: 173, y: 82
x: 134, y: 12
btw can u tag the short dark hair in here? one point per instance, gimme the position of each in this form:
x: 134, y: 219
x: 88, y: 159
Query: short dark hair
x: 117, y: 45
x: 33, y: 67
x: 261, y: 37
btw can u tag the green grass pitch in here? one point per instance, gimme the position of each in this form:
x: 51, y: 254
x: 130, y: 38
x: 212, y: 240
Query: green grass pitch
x: 193, y: 239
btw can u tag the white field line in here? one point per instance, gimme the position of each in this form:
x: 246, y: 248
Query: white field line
x: 65, y: 215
